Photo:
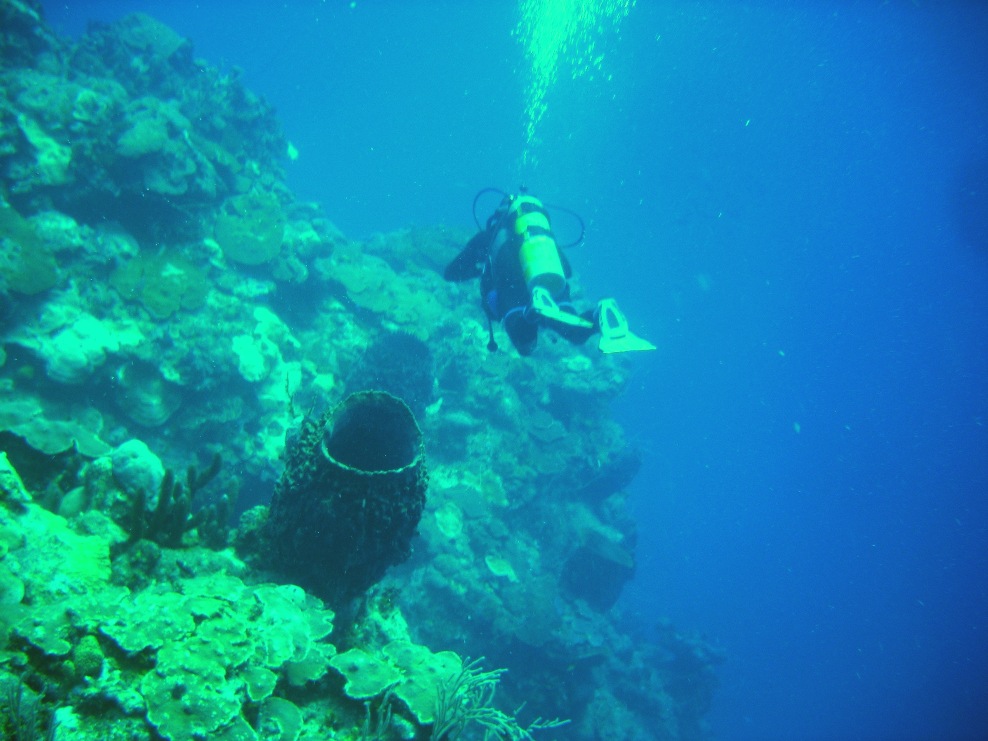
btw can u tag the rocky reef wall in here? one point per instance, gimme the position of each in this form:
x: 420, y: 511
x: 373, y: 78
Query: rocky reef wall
x: 170, y: 313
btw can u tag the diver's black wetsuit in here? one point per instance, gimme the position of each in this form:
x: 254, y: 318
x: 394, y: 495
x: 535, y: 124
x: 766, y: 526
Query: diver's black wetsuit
x: 504, y: 293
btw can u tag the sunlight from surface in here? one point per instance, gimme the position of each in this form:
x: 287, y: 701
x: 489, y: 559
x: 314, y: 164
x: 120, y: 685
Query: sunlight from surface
x: 561, y: 34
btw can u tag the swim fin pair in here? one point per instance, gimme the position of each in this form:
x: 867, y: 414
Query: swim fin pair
x: 614, y: 333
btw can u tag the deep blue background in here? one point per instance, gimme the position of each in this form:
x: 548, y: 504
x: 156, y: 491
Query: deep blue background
x: 791, y: 199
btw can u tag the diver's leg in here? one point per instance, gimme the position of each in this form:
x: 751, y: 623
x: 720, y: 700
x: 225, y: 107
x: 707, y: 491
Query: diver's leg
x: 577, y: 334
x: 522, y: 329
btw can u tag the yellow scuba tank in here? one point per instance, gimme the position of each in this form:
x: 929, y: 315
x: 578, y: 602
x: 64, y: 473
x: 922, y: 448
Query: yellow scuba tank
x: 538, y: 253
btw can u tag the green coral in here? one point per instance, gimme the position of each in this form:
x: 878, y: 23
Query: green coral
x: 26, y: 263
x: 164, y: 283
x: 184, y: 703
x: 239, y: 641
x: 280, y: 720
x: 215, y: 643
x: 423, y: 672
x: 44, y: 431
x: 250, y: 228
x: 414, y: 672
x: 52, y: 158
x: 366, y: 675
x: 149, y: 620
x: 260, y: 681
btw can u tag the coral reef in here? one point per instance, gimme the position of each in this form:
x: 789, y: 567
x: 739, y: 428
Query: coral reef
x: 165, y: 300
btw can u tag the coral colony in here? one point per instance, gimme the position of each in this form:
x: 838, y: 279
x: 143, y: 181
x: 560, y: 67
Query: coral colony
x: 262, y: 481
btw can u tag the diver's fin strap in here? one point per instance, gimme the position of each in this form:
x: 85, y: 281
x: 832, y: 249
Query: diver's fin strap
x: 545, y: 306
x: 614, y: 333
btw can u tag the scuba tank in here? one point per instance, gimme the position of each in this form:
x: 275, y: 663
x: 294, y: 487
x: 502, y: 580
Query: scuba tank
x: 540, y: 263
x: 524, y: 218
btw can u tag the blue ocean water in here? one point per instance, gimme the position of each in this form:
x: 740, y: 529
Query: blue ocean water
x: 791, y: 200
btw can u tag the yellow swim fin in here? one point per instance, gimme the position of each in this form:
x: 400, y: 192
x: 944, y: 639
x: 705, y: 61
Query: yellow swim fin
x: 614, y: 333
x: 544, y: 305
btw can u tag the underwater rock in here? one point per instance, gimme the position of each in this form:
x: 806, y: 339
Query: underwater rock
x: 136, y: 469
x: 53, y: 560
x: 597, y: 572
x: 72, y: 342
x: 612, y: 473
x: 26, y: 263
x: 351, y: 497
x: 144, y: 35
x: 74, y: 352
x: 157, y: 152
x: 260, y: 352
x: 153, y: 127
x: 52, y: 158
x: 25, y: 36
x: 406, y: 300
x: 11, y: 487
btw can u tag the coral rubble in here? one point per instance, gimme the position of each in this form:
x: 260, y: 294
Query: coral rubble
x: 175, y: 329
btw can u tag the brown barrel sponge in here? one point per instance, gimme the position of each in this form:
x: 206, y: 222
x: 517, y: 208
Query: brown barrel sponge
x: 351, y: 496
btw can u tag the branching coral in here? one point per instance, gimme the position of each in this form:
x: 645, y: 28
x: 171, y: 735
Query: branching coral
x: 467, y: 698
x: 21, y: 715
x: 170, y: 518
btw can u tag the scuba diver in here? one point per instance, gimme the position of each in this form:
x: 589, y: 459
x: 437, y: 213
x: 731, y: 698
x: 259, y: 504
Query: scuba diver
x: 524, y: 280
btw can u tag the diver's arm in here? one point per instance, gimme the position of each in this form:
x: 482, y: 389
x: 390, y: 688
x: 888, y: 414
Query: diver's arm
x: 470, y: 262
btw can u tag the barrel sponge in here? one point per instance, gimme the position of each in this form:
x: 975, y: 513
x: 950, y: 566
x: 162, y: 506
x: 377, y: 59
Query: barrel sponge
x: 87, y: 655
x: 351, y: 496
